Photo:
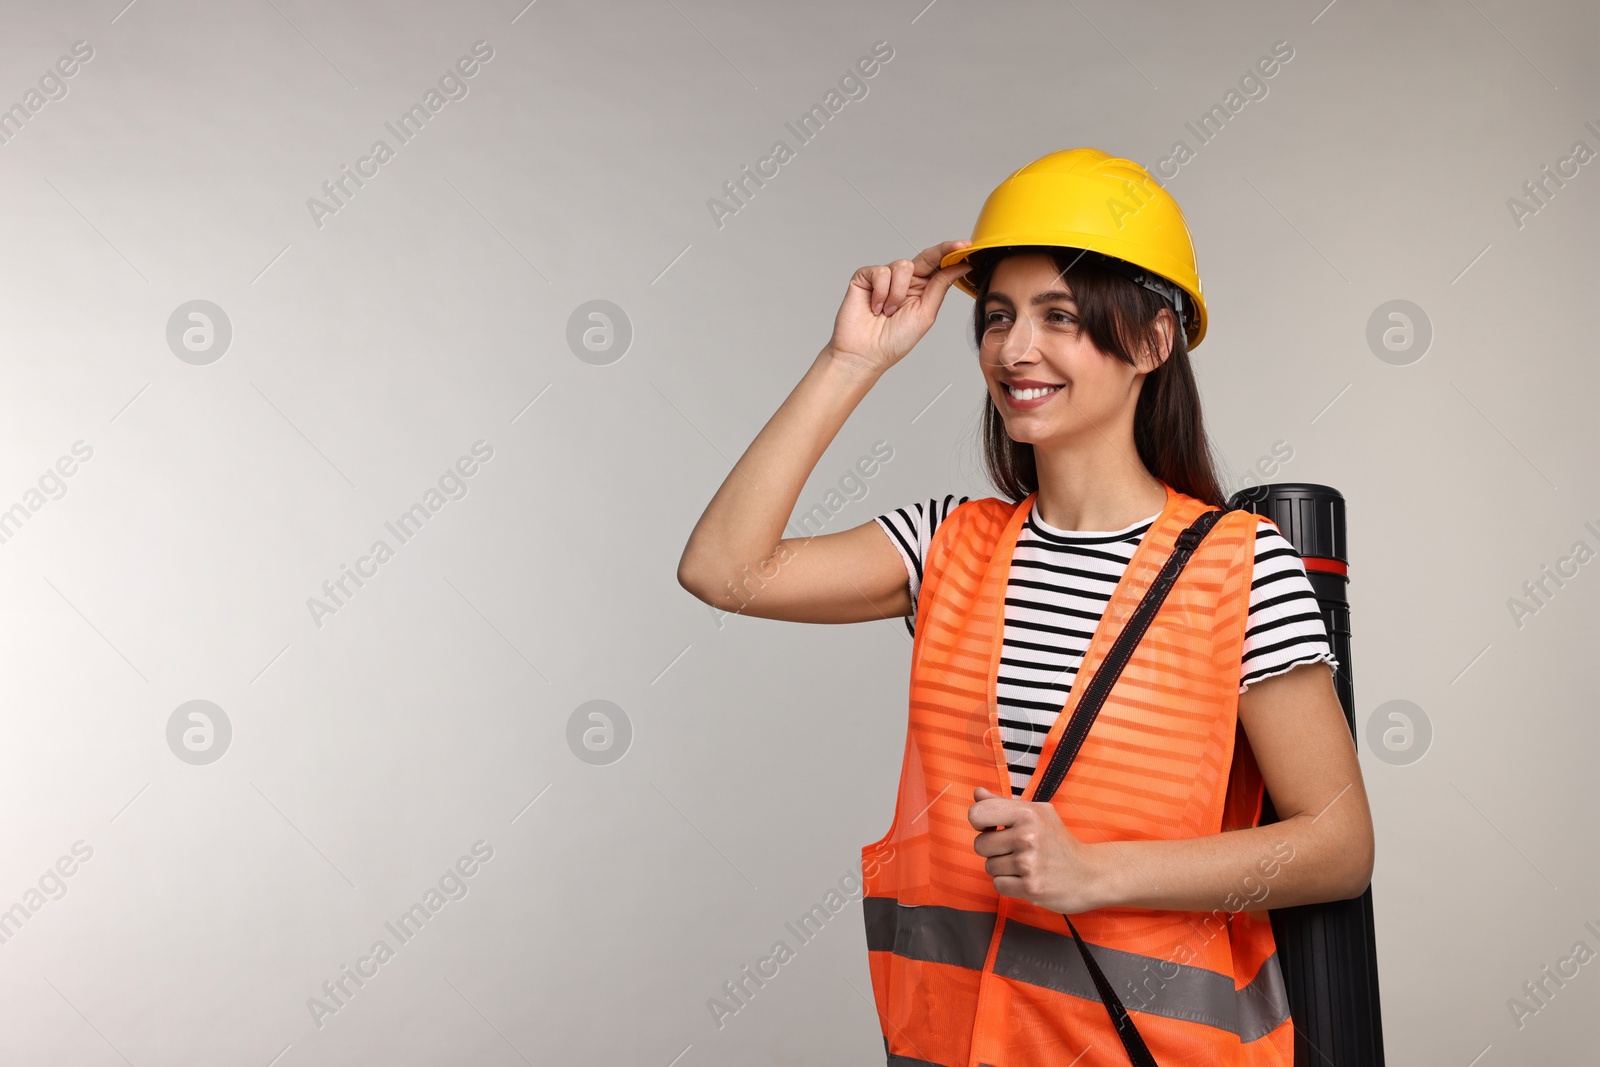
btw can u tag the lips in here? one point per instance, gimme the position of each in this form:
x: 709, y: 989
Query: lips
x: 1031, y: 390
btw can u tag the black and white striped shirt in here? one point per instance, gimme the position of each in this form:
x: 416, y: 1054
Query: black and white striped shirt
x: 1060, y: 583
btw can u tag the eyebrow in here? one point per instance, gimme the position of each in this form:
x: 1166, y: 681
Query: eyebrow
x: 1048, y: 297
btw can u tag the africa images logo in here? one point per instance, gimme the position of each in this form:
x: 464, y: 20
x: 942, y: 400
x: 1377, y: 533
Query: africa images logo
x: 453, y: 885
x: 452, y: 86
x: 452, y: 485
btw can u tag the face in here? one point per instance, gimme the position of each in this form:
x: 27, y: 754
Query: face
x: 1032, y: 335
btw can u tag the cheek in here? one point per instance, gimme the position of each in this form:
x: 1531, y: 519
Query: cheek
x: 1090, y: 364
x: 1099, y: 384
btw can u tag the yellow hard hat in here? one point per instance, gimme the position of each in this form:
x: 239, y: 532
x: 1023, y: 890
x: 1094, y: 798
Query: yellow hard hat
x: 1085, y: 198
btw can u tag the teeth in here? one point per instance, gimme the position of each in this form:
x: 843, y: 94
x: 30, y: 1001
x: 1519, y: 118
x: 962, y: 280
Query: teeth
x: 1031, y: 394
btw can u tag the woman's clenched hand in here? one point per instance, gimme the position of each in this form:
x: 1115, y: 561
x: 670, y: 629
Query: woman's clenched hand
x: 889, y: 306
x: 1035, y: 856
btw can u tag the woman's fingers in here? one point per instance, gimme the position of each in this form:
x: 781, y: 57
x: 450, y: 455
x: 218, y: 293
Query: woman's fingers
x: 942, y: 279
x: 901, y: 271
x: 923, y: 267
x: 879, y: 277
x: 928, y: 259
x: 881, y: 290
x: 888, y: 284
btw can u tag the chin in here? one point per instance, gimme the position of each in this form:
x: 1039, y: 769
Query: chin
x: 1037, y: 432
x: 1028, y: 435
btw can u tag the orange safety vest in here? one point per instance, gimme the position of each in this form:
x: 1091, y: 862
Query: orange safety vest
x: 965, y: 977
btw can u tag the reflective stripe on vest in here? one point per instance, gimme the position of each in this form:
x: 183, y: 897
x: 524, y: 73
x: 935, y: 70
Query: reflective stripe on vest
x: 963, y: 977
x: 1046, y: 958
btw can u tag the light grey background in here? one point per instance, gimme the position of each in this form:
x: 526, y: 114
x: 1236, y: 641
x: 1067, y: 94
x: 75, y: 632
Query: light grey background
x: 432, y: 710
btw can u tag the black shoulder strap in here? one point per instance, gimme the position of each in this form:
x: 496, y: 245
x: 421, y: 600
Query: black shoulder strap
x: 1094, y: 695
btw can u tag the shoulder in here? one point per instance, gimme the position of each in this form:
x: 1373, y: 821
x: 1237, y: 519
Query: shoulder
x: 911, y: 529
x: 1275, y: 558
x: 1286, y: 626
x: 1270, y: 548
x: 985, y: 511
x: 913, y: 525
x: 983, y: 518
x: 1268, y: 535
x: 922, y: 513
x: 1262, y: 566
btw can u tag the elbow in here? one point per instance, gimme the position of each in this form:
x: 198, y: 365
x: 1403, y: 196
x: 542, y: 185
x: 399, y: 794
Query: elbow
x: 694, y: 570
x: 1363, y: 881
x: 708, y: 587
x: 1354, y: 889
x: 1343, y: 864
x: 1359, y: 876
x: 724, y: 588
x: 693, y: 581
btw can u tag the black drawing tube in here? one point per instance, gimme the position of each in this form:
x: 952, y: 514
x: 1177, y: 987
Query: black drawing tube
x: 1327, y: 952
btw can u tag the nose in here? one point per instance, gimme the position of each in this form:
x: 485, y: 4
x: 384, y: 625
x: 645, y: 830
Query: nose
x: 1015, y: 344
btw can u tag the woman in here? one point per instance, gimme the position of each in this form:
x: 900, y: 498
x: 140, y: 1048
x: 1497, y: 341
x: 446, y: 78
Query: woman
x: 1087, y: 305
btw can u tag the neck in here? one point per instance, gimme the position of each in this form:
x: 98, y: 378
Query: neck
x: 1102, y: 487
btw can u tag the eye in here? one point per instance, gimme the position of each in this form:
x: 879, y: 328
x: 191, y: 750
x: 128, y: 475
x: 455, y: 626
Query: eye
x: 1057, y: 316
x: 995, y: 322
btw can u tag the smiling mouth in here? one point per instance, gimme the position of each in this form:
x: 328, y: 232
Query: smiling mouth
x: 1030, y: 393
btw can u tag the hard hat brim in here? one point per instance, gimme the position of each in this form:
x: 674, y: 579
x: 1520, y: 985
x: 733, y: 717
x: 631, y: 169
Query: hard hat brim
x: 1086, y: 243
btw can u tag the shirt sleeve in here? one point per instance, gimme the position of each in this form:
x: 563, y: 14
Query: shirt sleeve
x: 910, y: 530
x: 1285, y: 628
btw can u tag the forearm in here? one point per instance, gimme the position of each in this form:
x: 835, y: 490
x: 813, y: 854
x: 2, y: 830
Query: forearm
x: 1300, y: 860
x: 744, y: 522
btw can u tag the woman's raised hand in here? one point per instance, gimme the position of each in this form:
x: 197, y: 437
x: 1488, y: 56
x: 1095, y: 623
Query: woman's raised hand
x: 889, y: 306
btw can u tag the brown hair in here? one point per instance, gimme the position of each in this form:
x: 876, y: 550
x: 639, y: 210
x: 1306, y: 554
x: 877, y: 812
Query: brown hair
x: 1120, y: 318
